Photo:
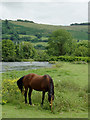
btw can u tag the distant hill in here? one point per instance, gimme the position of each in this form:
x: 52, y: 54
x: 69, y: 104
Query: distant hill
x: 78, y: 32
x: 24, y: 30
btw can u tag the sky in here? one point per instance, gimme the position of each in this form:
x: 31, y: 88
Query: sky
x: 53, y: 12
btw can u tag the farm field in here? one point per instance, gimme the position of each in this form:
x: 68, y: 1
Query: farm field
x: 71, y: 93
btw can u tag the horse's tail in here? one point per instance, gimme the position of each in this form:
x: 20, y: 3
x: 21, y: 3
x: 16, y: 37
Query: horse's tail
x: 20, y: 84
x: 51, y: 86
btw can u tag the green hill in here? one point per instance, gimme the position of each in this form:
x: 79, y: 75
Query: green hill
x: 38, y: 34
x: 78, y: 32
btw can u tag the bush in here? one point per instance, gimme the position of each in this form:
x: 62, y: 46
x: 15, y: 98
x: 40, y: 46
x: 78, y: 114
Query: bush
x: 69, y: 58
x: 10, y: 92
x: 8, y: 50
x: 81, y: 51
x: 41, y: 56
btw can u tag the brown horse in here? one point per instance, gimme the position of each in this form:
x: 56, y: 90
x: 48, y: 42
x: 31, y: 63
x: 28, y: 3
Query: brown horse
x: 37, y: 82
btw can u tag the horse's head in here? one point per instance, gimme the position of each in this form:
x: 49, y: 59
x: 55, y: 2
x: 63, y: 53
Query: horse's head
x: 50, y: 96
x: 51, y: 93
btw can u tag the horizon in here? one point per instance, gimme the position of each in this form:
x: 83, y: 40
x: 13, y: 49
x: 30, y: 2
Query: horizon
x: 41, y: 23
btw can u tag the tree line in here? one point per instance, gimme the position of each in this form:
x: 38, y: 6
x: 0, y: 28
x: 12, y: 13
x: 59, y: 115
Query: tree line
x: 80, y: 24
x: 20, y: 20
x: 60, y: 43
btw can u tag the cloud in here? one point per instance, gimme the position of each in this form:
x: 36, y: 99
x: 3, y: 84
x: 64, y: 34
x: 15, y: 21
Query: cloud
x: 46, y: 13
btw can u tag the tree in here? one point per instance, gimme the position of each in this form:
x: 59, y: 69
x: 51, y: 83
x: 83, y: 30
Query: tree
x: 26, y: 50
x: 82, y: 48
x: 7, y: 27
x: 14, y: 37
x: 41, y: 56
x: 8, y: 50
x: 7, y: 24
x: 17, y: 50
x: 59, y: 43
x: 81, y: 51
x: 83, y: 43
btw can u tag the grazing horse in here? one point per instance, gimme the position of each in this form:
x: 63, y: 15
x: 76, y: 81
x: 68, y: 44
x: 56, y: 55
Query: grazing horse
x: 37, y: 82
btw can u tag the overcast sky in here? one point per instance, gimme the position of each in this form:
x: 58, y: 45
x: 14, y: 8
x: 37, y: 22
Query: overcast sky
x: 55, y: 12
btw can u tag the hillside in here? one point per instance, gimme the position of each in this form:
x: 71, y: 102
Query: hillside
x: 38, y: 34
x: 78, y: 32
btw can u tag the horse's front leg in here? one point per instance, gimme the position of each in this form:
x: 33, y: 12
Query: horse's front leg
x: 43, y: 95
x: 29, y: 95
x: 25, y: 94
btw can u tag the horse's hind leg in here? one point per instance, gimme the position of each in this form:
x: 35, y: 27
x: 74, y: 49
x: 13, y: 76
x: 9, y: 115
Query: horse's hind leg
x: 43, y: 95
x: 29, y: 95
x: 25, y: 94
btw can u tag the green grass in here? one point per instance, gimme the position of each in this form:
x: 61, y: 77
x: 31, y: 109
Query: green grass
x: 71, y: 93
x: 12, y: 111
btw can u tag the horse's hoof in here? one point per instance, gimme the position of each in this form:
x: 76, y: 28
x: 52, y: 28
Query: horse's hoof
x: 33, y: 105
x: 30, y: 104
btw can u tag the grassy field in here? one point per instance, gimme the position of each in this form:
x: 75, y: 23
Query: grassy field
x: 71, y: 93
x: 51, y: 27
x: 11, y: 111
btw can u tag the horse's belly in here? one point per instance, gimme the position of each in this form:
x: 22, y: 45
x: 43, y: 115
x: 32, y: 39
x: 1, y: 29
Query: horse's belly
x: 38, y: 89
x: 37, y: 86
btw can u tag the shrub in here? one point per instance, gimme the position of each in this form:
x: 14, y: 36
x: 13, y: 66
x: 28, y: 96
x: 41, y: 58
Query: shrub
x: 69, y: 58
x: 10, y: 92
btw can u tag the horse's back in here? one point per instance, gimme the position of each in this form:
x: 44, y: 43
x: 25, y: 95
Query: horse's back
x: 37, y: 82
x: 27, y: 79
